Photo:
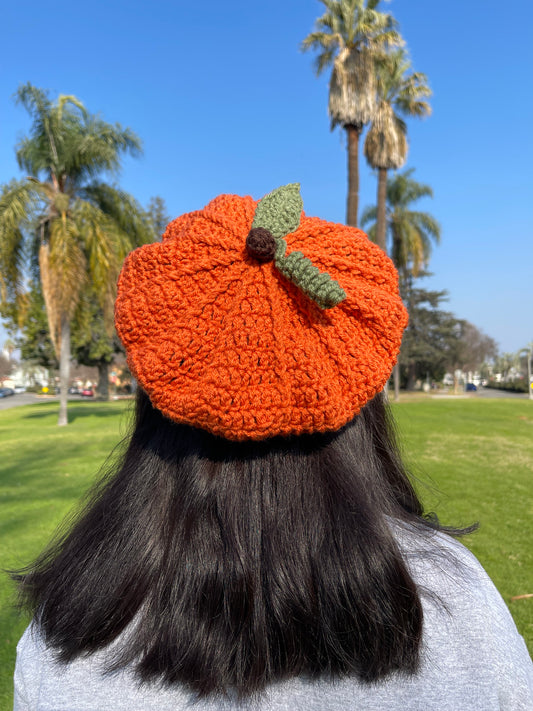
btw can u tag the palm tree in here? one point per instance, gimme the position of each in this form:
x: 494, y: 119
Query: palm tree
x: 74, y: 229
x: 398, y: 92
x: 347, y: 37
x: 410, y: 232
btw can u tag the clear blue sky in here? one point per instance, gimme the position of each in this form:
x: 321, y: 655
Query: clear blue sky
x: 225, y: 102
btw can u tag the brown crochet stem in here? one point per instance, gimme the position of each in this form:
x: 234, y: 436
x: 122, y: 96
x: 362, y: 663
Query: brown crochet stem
x: 261, y: 244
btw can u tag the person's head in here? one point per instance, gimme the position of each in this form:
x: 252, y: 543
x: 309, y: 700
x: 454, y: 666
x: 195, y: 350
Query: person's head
x: 245, y: 535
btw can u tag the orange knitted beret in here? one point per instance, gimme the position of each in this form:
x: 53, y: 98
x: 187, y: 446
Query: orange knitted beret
x: 252, y: 320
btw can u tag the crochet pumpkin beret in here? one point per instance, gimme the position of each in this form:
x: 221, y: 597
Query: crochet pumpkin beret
x: 252, y: 320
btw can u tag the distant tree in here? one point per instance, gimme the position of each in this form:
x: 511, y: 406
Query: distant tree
x: 411, y: 232
x: 436, y: 341
x: 76, y: 230
x: 157, y: 214
x: 469, y: 349
x: 506, y: 363
x: 400, y: 92
x: 347, y: 38
x: 34, y: 340
x: 476, y: 347
x: 429, y: 337
x: 94, y: 341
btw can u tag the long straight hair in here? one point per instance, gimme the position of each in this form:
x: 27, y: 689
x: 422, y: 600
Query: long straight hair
x: 223, y: 565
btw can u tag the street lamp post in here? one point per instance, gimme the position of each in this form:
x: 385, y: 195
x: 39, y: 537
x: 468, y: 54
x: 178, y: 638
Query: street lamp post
x: 529, y: 353
x: 529, y: 383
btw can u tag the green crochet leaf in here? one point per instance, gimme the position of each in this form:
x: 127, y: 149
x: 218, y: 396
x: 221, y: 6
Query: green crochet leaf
x: 280, y: 211
x: 319, y: 286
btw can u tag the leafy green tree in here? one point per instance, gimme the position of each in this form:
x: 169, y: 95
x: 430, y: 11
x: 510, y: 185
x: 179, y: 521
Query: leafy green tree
x: 347, y: 38
x: 94, y: 340
x: 157, y: 214
x: 475, y: 347
x: 507, y: 363
x: 436, y: 340
x: 430, y: 341
x: 411, y: 232
x: 76, y: 229
x: 400, y: 92
x: 34, y: 340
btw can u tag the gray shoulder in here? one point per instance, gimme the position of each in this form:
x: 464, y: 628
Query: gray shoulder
x: 31, y: 653
x: 436, y: 558
x: 465, y: 614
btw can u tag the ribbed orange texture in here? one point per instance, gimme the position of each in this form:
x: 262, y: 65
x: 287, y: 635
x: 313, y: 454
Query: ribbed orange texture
x: 223, y: 342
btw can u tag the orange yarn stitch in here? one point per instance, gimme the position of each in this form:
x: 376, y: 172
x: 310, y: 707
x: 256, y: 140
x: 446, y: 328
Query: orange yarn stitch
x: 224, y: 342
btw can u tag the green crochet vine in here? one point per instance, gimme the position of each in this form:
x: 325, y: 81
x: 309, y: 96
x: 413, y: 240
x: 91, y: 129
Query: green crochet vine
x: 280, y: 213
x: 319, y: 286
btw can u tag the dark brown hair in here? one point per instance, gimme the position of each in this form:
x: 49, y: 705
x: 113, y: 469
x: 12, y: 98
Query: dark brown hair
x: 229, y: 565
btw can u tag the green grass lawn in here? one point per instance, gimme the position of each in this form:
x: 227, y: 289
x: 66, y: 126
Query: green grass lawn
x: 473, y: 460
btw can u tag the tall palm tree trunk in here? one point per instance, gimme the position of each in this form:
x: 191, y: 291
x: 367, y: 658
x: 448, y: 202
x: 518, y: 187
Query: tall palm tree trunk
x: 64, y: 369
x: 353, y: 133
x: 381, y: 222
x: 396, y: 373
x: 395, y: 247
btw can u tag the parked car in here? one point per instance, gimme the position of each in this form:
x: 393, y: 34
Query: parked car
x: 6, y: 392
x: 470, y: 387
x: 87, y: 392
x: 73, y: 390
x: 19, y: 389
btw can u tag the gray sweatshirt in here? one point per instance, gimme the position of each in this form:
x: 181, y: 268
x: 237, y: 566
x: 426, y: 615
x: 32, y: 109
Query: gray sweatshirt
x: 473, y: 659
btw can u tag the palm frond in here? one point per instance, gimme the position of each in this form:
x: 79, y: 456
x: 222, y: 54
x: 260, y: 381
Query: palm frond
x: 411, y: 95
x: 324, y: 60
x: 412, y: 231
x: 369, y: 215
x: 19, y: 202
x: 352, y: 91
x: 62, y: 274
x: 123, y: 210
x: 371, y: 232
x: 106, y: 246
x: 426, y: 223
x: 402, y: 190
x: 64, y: 99
x: 100, y: 241
x: 67, y: 263
x: 68, y: 143
x: 386, y: 143
x: 98, y: 147
x: 34, y: 100
x: 43, y: 152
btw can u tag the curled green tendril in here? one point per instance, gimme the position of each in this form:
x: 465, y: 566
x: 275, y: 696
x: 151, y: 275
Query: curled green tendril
x: 319, y: 286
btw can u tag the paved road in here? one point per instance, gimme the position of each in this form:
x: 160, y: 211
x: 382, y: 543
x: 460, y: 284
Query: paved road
x: 30, y: 399
x: 488, y: 392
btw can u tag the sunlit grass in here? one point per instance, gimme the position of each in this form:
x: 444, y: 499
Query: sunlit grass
x: 473, y: 460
